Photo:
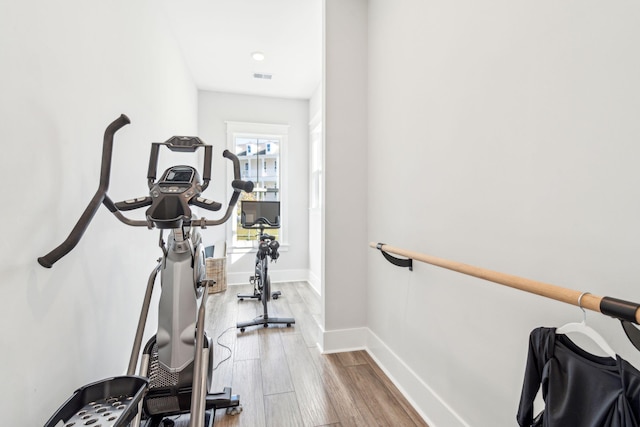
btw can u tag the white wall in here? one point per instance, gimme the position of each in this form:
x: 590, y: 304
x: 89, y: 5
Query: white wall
x: 68, y: 69
x: 503, y: 135
x: 345, y: 170
x: 214, y: 110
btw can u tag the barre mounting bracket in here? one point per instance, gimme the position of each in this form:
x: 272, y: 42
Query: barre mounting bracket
x: 625, y: 311
x: 408, y: 262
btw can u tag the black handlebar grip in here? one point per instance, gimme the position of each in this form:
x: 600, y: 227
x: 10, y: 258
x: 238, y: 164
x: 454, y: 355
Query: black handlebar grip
x: 107, y: 149
x: 153, y: 162
x: 78, y: 230
x: 240, y: 185
x: 237, y: 183
x: 236, y: 163
x: 74, y: 237
x: 208, y: 155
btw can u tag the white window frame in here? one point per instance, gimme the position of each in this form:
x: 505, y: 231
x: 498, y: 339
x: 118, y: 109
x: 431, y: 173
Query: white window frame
x: 261, y: 130
x: 315, y: 166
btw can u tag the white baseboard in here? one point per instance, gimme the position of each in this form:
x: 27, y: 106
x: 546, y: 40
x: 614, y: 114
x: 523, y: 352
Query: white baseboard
x: 421, y: 396
x: 342, y: 340
x: 315, y: 282
x: 416, y: 391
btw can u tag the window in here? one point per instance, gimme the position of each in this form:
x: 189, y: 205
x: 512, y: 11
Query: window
x: 259, y: 156
x: 260, y: 148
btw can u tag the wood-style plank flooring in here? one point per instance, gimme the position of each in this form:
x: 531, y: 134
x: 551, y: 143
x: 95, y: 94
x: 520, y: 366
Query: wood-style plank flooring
x: 280, y: 375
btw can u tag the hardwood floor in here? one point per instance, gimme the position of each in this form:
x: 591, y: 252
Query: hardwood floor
x: 281, y: 377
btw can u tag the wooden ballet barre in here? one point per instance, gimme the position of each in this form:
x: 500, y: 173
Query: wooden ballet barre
x: 620, y: 309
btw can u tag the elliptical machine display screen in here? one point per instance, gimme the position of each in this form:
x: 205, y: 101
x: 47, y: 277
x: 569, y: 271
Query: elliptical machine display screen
x: 179, y: 174
x: 177, y: 179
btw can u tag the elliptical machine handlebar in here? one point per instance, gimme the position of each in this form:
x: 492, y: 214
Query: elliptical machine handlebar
x: 237, y: 183
x: 101, y: 196
x: 238, y: 187
x: 81, y: 226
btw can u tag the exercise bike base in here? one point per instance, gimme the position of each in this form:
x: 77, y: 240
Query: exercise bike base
x: 258, y: 296
x: 266, y: 321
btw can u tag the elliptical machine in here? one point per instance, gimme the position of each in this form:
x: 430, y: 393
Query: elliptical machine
x: 176, y: 364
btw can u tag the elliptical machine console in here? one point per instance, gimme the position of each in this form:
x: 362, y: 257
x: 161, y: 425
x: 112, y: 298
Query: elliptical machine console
x: 176, y: 364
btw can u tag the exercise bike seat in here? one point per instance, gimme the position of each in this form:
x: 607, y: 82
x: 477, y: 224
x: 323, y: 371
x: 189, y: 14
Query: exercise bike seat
x: 267, y: 237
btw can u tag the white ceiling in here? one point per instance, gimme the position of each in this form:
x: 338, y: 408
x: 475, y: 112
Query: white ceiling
x: 217, y: 38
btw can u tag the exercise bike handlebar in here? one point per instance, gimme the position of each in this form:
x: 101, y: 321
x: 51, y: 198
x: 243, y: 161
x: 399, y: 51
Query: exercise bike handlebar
x: 262, y: 221
x: 81, y: 226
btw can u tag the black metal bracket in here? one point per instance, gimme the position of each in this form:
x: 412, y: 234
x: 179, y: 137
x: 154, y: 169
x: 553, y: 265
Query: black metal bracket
x: 625, y: 311
x: 632, y: 333
x: 408, y: 262
x: 620, y: 309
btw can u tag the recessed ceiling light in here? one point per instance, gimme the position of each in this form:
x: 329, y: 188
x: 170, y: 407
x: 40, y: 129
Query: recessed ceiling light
x: 257, y: 56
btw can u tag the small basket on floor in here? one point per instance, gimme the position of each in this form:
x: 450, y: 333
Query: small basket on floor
x: 216, y: 270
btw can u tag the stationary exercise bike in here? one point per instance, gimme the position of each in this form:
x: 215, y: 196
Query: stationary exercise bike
x: 176, y: 364
x: 262, y: 215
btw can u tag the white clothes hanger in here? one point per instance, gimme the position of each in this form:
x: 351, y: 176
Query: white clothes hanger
x: 583, y: 329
